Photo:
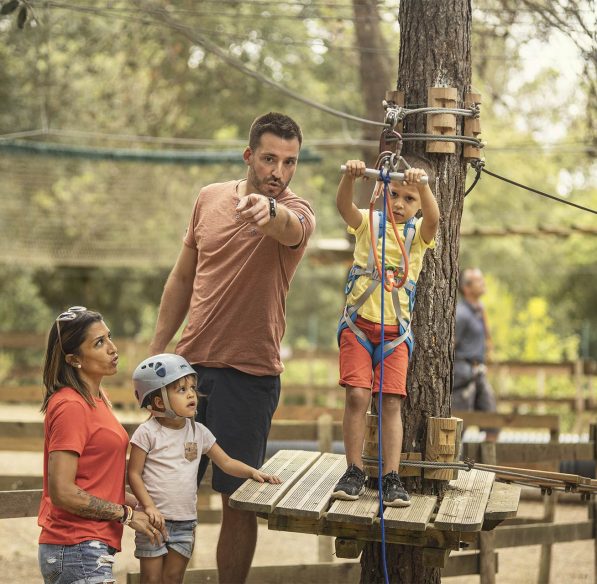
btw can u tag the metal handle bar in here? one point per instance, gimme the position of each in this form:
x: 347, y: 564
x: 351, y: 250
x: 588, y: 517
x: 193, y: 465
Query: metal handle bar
x: 372, y: 173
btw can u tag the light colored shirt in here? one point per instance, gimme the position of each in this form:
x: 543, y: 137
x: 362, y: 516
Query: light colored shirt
x: 169, y: 477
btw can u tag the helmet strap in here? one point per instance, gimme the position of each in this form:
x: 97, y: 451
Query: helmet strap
x: 168, y: 411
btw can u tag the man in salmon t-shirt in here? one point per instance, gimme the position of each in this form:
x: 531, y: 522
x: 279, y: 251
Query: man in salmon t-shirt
x: 242, y: 247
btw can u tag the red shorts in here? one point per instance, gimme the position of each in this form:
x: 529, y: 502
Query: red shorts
x: 356, y: 365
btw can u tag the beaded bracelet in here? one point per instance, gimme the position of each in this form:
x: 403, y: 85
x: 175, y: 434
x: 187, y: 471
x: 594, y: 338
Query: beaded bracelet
x: 127, y: 516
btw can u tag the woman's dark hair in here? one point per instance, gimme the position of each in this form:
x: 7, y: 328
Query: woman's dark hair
x: 57, y: 372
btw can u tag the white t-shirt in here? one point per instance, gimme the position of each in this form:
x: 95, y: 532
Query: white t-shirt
x: 169, y: 476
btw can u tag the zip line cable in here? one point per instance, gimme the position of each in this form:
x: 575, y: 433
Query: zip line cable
x: 532, y: 190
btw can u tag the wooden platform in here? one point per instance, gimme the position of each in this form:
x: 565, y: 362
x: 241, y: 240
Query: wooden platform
x: 472, y: 502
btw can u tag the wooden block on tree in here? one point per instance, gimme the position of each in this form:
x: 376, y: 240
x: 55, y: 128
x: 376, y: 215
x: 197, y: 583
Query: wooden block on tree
x: 472, y: 126
x: 441, y: 445
x: 457, y: 444
x: 394, y: 96
x: 370, y: 452
x: 441, y: 124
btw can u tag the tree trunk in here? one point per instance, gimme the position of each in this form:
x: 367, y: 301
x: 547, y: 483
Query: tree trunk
x: 434, y: 51
x: 375, y: 74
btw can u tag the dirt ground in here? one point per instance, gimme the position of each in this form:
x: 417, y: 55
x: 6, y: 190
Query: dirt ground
x: 571, y: 563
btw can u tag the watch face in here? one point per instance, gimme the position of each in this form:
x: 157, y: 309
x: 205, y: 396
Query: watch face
x: 272, y: 207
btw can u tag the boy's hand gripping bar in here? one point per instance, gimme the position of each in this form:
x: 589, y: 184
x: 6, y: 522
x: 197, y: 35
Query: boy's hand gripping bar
x: 372, y: 173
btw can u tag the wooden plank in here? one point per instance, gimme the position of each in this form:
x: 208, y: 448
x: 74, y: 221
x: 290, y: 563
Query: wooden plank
x: 309, y: 496
x: 495, y: 420
x: 20, y: 482
x: 307, y: 413
x: 415, y: 517
x: 300, y: 430
x: 289, y: 465
x: 570, y: 479
x: 464, y: 503
x: 527, y: 454
x: 19, y: 503
x: 363, y: 510
x: 429, y: 538
x: 336, y: 572
x: 503, y: 501
x: 542, y: 533
x: 464, y: 564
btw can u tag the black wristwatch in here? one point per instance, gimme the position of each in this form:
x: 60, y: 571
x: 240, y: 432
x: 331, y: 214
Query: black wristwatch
x: 272, y: 207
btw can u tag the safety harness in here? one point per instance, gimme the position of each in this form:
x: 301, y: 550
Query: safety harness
x: 371, y: 272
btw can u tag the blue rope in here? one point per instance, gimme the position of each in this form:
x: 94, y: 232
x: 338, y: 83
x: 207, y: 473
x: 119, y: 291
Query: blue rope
x: 386, y: 183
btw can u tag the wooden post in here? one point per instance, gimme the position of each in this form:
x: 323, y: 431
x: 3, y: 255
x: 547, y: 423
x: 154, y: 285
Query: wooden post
x: 578, y: 383
x: 487, y: 538
x: 441, y: 445
x: 549, y: 512
x: 441, y: 124
x: 541, y: 390
x: 593, y: 500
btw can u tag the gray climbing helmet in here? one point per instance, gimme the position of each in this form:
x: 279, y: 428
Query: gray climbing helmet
x: 156, y: 373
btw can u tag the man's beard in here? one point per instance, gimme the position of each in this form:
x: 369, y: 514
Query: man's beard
x: 259, y: 185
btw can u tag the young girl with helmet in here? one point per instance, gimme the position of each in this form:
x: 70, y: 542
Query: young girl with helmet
x: 163, y: 464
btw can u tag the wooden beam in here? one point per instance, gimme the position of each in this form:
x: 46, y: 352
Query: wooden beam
x: 508, y: 536
x: 15, y: 504
x: 429, y: 538
x: 465, y: 564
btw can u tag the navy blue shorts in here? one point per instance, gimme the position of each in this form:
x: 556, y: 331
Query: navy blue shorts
x: 238, y: 409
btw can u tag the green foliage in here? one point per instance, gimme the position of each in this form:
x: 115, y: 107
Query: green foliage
x: 525, y: 330
x: 115, y: 70
x: 22, y: 307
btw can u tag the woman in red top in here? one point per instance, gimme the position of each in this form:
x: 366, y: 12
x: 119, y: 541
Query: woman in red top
x: 83, y: 508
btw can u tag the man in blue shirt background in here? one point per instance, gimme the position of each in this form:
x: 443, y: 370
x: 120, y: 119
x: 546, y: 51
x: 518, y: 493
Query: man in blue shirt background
x: 471, y: 390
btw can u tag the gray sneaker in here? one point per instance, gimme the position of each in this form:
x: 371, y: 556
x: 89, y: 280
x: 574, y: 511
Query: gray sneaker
x: 394, y: 493
x: 351, y: 484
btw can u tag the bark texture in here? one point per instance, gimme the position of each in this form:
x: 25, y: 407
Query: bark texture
x: 375, y: 74
x: 434, y: 51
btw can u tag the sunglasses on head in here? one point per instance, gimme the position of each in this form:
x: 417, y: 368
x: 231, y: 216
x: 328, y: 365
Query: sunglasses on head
x: 70, y: 314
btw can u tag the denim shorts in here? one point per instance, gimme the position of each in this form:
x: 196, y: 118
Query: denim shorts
x: 88, y: 562
x: 181, y: 539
